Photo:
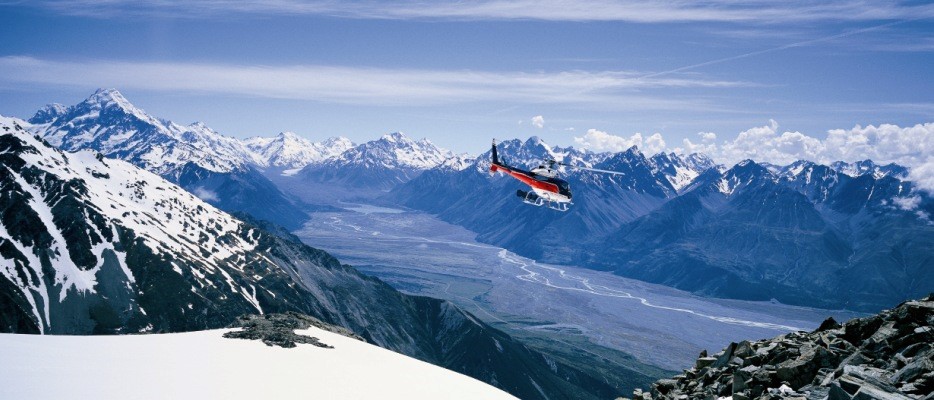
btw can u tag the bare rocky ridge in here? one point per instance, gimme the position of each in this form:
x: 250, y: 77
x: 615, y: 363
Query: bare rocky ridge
x: 886, y: 356
x: 279, y: 329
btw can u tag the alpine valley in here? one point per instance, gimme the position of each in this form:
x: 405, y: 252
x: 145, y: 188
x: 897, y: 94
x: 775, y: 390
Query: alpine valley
x: 95, y: 245
x: 115, y: 221
x: 852, y: 236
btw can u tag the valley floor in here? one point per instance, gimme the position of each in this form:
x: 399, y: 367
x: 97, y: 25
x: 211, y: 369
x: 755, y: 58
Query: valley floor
x: 557, y: 307
x: 204, y: 365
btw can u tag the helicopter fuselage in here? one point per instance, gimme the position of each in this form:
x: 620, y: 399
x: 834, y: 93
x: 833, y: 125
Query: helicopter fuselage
x: 548, y: 188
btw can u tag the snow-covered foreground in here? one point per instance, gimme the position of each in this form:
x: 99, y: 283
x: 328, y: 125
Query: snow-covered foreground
x: 204, y: 365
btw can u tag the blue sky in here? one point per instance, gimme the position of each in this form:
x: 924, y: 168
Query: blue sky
x: 462, y: 72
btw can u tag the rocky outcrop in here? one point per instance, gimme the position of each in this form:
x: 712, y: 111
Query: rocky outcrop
x: 279, y: 329
x: 885, y: 356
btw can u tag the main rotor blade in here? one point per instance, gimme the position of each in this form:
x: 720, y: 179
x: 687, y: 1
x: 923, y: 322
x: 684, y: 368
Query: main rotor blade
x: 593, y: 169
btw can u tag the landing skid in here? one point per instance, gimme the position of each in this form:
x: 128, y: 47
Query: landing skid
x: 538, y: 201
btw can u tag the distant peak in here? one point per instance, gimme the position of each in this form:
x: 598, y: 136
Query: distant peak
x: 337, y: 139
x: 107, y: 94
x: 633, y: 150
x: 289, y: 135
x: 48, y: 113
x: 106, y: 97
x: 395, y: 137
x: 536, y: 141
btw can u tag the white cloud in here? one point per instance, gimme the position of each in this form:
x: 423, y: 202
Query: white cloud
x: 911, y: 146
x: 551, y: 10
x: 764, y: 143
x: 923, y: 174
x: 907, y: 203
x: 357, y: 85
x: 653, y: 144
x: 205, y: 194
x: 597, y: 140
x: 707, y: 144
x: 538, y: 121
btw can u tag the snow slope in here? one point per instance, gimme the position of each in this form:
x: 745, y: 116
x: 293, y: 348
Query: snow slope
x: 203, y: 365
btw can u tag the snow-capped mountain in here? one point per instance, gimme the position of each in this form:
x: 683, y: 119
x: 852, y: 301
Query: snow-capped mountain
x: 807, y: 235
x: 678, y: 169
x: 92, y: 244
x: 291, y: 152
x: 48, y: 113
x: 393, y: 151
x: 369, y: 168
x: 458, y: 162
x: 858, y: 168
x: 815, y: 181
x: 97, y: 245
x: 743, y: 174
x: 219, y: 169
x: 682, y: 221
x: 474, y: 199
x: 106, y: 122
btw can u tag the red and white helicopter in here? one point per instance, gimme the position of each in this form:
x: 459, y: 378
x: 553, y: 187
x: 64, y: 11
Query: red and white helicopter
x: 546, y: 187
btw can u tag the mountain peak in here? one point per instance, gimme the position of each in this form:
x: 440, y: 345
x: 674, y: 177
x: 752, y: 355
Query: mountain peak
x: 679, y: 170
x: 395, y: 137
x: 859, y: 168
x: 48, y: 113
x: 393, y: 151
x: 108, y: 96
x: 338, y: 140
x: 744, y: 173
x: 112, y: 101
x: 289, y: 135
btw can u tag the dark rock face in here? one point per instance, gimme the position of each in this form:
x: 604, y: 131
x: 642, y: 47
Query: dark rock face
x: 279, y: 329
x: 885, y: 356
x: 818, y: 238
x: 242, y: 190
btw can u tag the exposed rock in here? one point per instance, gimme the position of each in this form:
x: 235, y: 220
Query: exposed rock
x: 828, y: 324
x: 885, y: 356
x: 279, y: 329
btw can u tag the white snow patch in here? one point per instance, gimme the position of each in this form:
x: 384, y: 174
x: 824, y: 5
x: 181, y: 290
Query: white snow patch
x: 203, y: 365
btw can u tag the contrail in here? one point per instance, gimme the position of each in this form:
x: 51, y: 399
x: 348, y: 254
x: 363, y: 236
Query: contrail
x: 783, y: 47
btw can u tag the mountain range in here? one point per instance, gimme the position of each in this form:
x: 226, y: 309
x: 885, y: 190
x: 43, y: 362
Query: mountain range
x: 276, y: 178
x: 845, y: 235
x: 365, y: 171
x: 115, y: 221
x: 92, y: 244
x: 669, y: 218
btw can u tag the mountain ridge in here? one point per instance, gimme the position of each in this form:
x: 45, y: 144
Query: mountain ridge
x: 823, y: 216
